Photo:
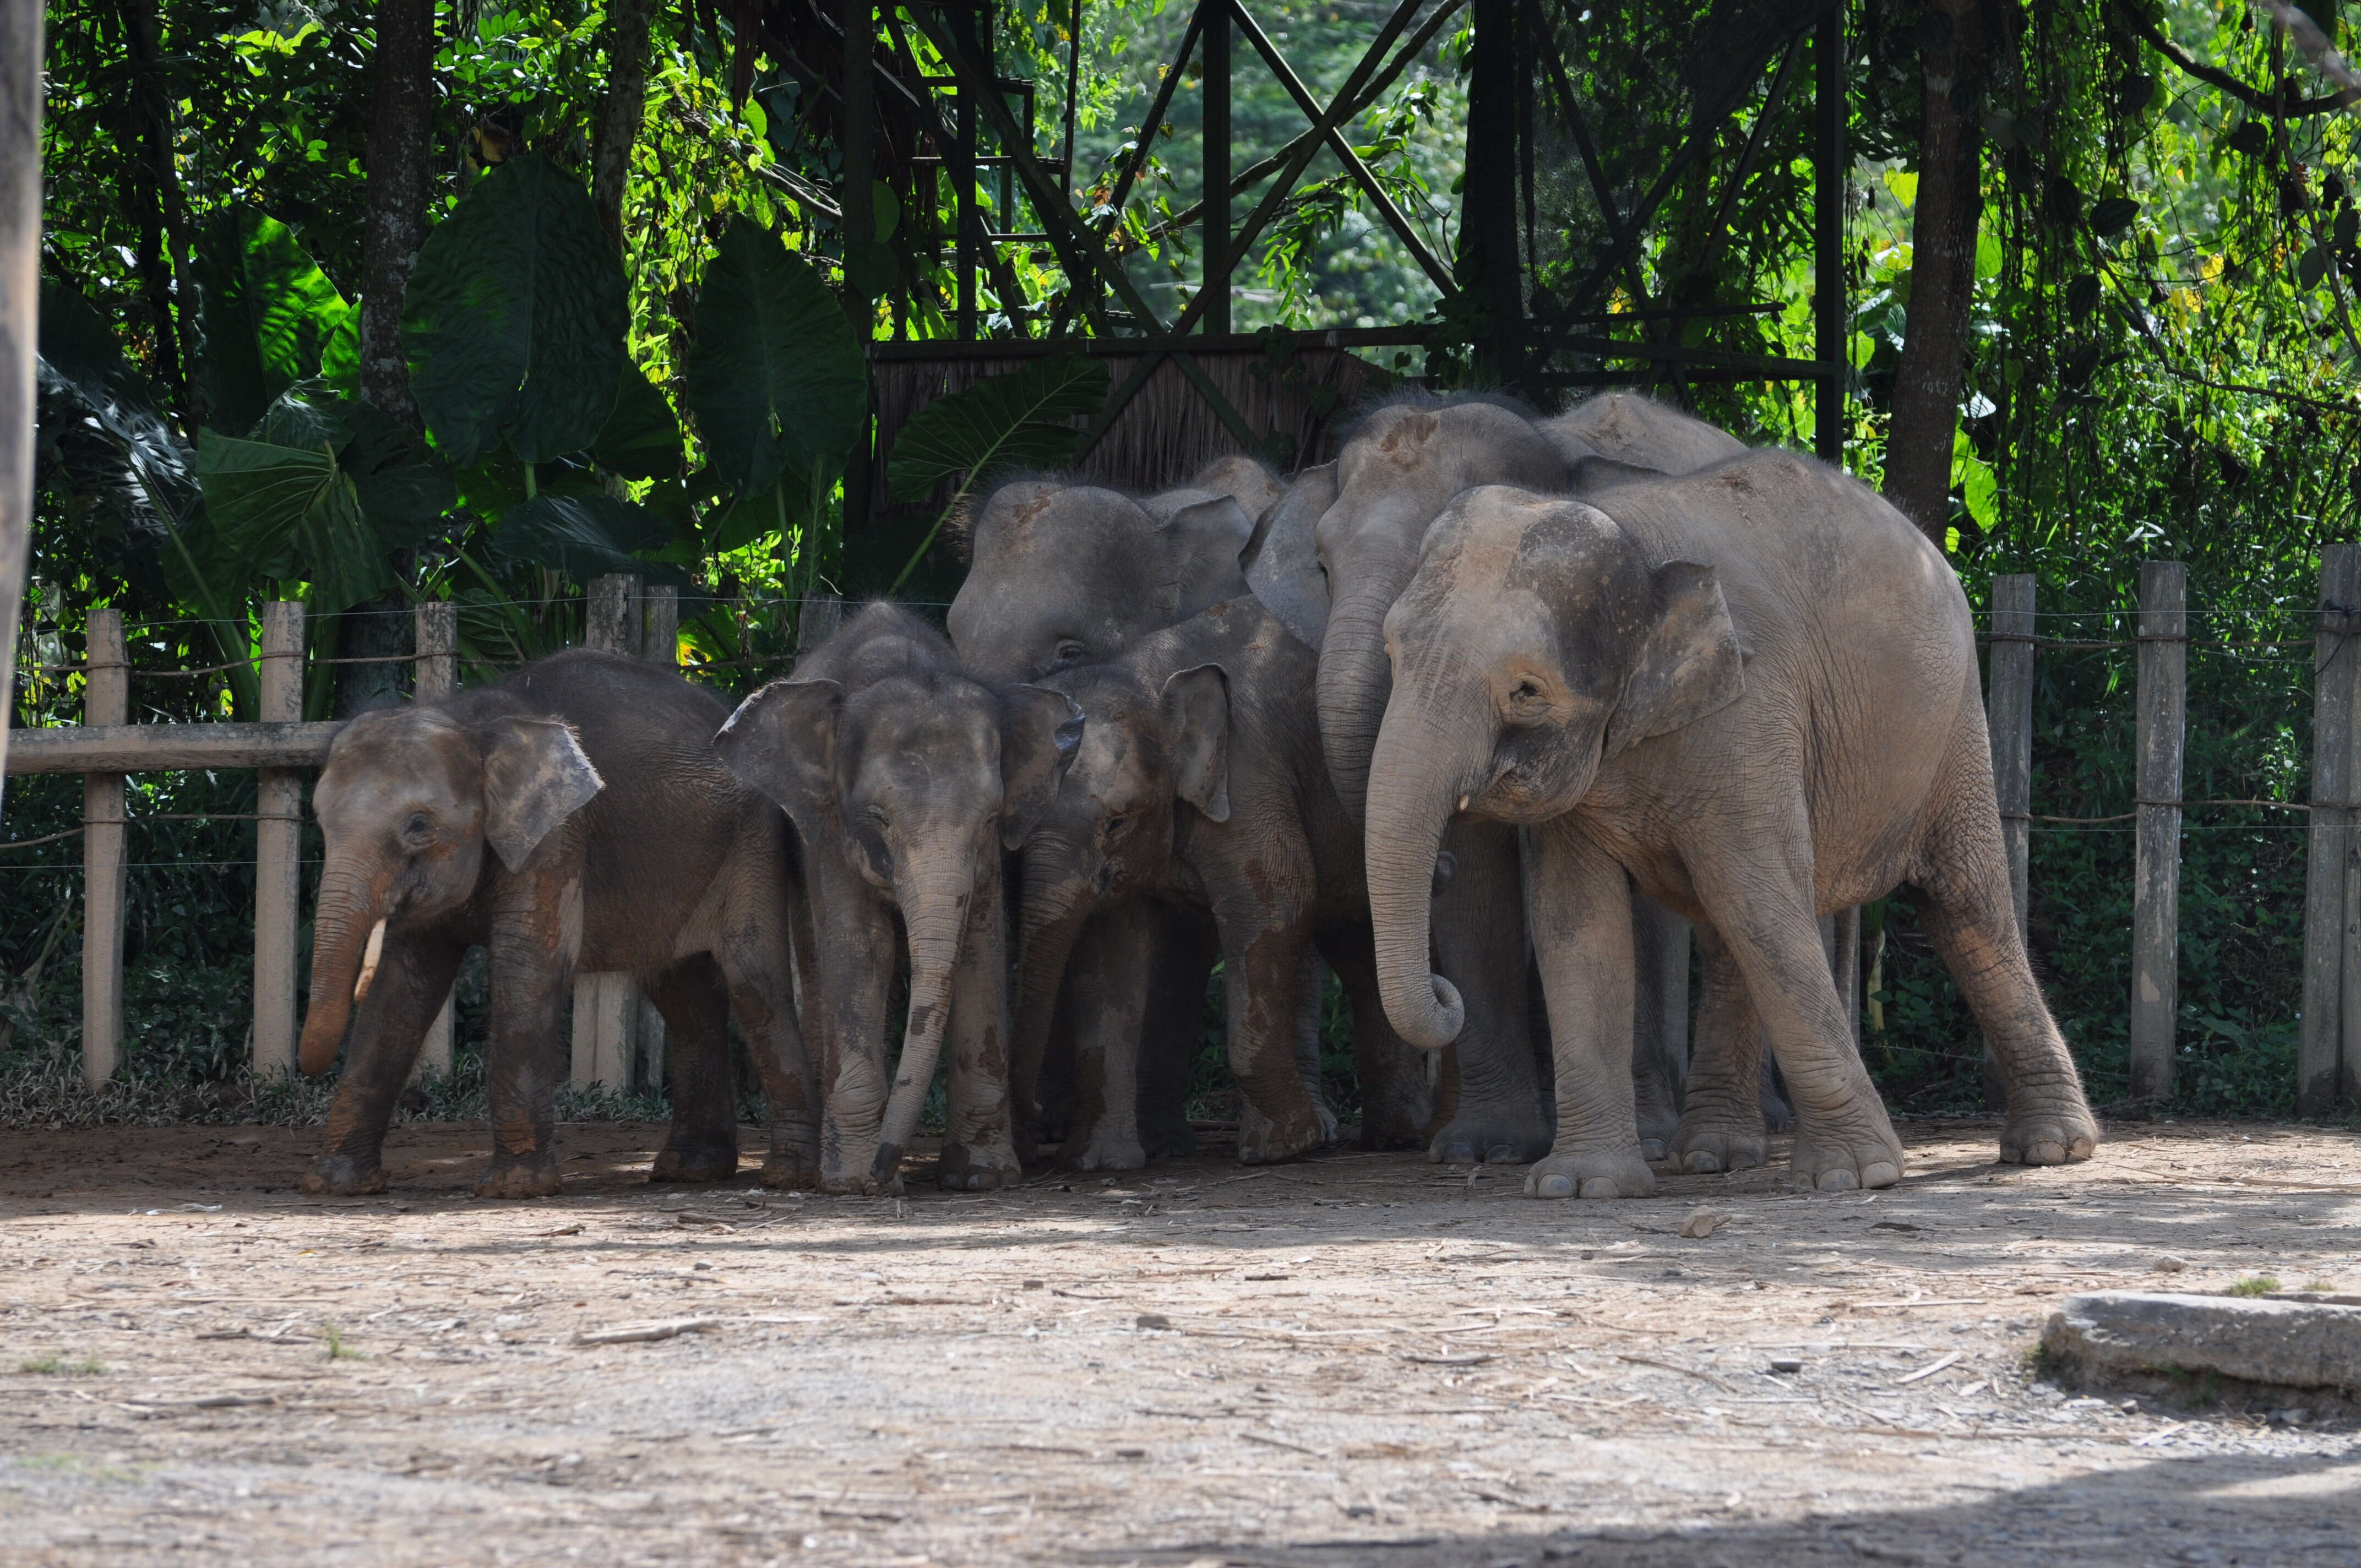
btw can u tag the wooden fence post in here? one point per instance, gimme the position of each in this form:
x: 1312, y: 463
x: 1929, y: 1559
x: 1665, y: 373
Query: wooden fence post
x: 659, y: 644
x: 2156, y: 886
x: 21, y: 23
x: 107, y: 699
x: 278, y: 847
x: 2008, y: 720
x: 437, y: 627
x: 2336, y: 653
x: 606, y: 1008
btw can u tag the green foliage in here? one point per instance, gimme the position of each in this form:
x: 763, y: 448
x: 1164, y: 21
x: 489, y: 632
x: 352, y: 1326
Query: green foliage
x: 2256, y: 1284
x: 515, y: 322
x: 641, y: 439
x: 271, y: 318
x: 585, y: 535
x: 56, y: 1365
x: 776, y: 380
x: 1019, y: 419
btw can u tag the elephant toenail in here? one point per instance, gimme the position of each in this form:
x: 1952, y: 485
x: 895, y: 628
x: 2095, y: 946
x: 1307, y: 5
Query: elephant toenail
x: 1500, y: 1154
x: 1838, y: 1181
x: 1653, y: 1148
x: 1556, y: 1185
x: 1601, y: 1187
x: 1700, y: 1163
x: 1880, y: 1175
x: 2046, y: 1153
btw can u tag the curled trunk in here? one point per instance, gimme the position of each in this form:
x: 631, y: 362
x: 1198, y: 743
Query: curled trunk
x: 934, y: 913
x: 1356, y: 677
x: 351, y: 905
x: 1417, y: 773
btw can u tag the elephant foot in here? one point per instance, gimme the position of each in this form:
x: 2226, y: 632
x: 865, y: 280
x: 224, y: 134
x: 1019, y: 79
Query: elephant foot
x: 1712, y: 1141
x: 1267, y: 1140
x: 342, y: 1175
x: 1778, y: 1116
x: 790, y: 1172
x: 1851, y: 1153
x: 1658, y: 1127
x: 1591, y: 1173
x: 1166, y: 1135
x: 967, y: 1168
x: 510, y: 1177
x: 1393, y: 1126
x: 1107, y: 1148
x: 2062, y: 1134
x: 1492, y: 1134
x: 695, y: 1159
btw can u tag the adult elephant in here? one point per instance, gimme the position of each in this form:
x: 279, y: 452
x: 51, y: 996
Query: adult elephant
x: 572, y: 816
x: 1754, y: 691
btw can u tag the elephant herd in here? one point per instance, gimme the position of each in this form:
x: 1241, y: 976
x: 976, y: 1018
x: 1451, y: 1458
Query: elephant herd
x: 1489, y: 697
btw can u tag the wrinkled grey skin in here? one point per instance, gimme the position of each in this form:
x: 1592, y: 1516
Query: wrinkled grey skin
x: 572, y: 816
x: 1063, y: 574
x: 1754, y: 691
x: 1639, y: 432
x: 906, y: 781
x: 1200, y: 782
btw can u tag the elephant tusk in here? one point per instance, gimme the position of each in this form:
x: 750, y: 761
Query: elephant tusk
x: 368, y: 960
x: 1463, y: 803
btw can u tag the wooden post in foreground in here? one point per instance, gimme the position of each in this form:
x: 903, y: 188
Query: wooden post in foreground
x: 2336, y: 652
x: 278, y: 847
x: 659, y: 645
x: 2156, y: 885
x: 107, y: 699
x: 2008, y: 718
x: 605, y: 1006
x: 437, y: 627
x: 20, y: 255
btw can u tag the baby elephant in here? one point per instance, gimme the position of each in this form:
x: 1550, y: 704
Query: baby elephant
x: 906, y: 780
x: 1199, y: 783
x: 617, y: 843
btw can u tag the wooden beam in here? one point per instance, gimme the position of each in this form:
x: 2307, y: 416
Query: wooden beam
x: 2008, y: 718
x: 605, y: 1005
x: 106, y: 700
x: 2337, y: 652
x: 278, y: 848
x: 1214, y: 253
x: 2156, y: 878
x: 164, y: 748
x: 20, y: 253
x: 435, y: 625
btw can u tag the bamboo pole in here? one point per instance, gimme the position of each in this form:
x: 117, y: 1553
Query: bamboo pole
x: 2336, y: 653
x: 2008, y: 718
x: 278, y: 847
x: 20, y: 248
x: 437, y: 634
x: 107, y: 699
x: 606, y: 1008
x: 2156, y: 885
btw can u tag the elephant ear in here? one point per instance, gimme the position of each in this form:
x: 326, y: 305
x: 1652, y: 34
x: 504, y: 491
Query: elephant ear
x: 1201, y: 547
x: 1197, y: 718
x: 781, y: 744
x: 1040, y: 730
x: 1282, y: 565
x: 1690, y: 666
x: 535, y: 777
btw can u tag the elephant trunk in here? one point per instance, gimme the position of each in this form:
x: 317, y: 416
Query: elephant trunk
x: 1050, y: 915
x: 1418, y: 773
x: 347, y: 935
x: 1356, y: 677
x: 935, y: 916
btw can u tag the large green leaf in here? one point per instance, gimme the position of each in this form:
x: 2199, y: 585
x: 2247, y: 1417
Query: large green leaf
x: 585, y: 536
x: 776, y: 380
x: 641, y: 437
x: 404, y: 487
x: 513, y: 322
x: 271, y: 316
x: 292, y: 511
x: 1014, y: 421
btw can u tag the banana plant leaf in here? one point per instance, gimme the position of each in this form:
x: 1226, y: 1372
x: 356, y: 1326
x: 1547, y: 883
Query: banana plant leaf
x: 585, y: 537
x: 641, y: 438
x: 513, y: 322
x: 270, y: 317
x: 1012, y: 420
x: 776, y: 380
x: 292, y: 511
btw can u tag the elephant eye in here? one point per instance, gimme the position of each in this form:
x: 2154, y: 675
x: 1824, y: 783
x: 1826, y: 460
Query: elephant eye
x: 1070, y: 651
x: 417, y: 828
x: 1117, y: 827
x: 1526, y: 693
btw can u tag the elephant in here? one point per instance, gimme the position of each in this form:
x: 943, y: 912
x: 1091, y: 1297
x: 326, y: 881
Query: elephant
x: 1063, y: 574
x: 906, y: 781
x: 1752, y: 690
x: 1200, y: 782
x: 617, y: 843
x: 1636, y: 433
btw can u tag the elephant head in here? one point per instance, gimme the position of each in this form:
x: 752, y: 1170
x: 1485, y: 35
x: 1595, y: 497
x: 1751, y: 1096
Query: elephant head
x: 407, y: 802
x: 920, y: 780
x: 1147, y: 752
x: 1536, y: 641
x: 1397, y: 472
x: 1063, y: 574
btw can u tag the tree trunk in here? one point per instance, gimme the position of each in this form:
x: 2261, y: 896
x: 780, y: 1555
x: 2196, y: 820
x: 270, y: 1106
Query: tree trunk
x: 624, y: 107
x: 400, y: 142
x: 1943, y: 268
x: 164, y: 228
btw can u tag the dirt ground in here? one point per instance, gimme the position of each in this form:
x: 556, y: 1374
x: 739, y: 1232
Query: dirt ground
x: 1359, y: 1359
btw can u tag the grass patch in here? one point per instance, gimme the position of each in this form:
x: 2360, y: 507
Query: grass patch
x: 2256, y: 1284
x: 55, y: 1366
x: 333, y: 1336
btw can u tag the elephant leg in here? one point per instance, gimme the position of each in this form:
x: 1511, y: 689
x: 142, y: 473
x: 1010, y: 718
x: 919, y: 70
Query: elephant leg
x: 760, y: 973
x: 1582, y: 918
x: 812, y: 1018
x: 534, y: 922
x: 1660, y: 947
x: 1396, y: 1104
x: 1970, y: 916
x: 1722, y: 1123
x: 1479, y: 939
x: 1278, y: 1118
x: 1186, y: 944
x: 703, y: 1143
x: 978, y: 1146
x: 388, y: 1026
x: 858, y: 956
x: 1311, y: 1003
x: 1757, y: 889
x: 1109, y: 974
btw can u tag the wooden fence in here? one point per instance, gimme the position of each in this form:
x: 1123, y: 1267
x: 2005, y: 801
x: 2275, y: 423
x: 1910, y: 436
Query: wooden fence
x: 618, y: 1039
